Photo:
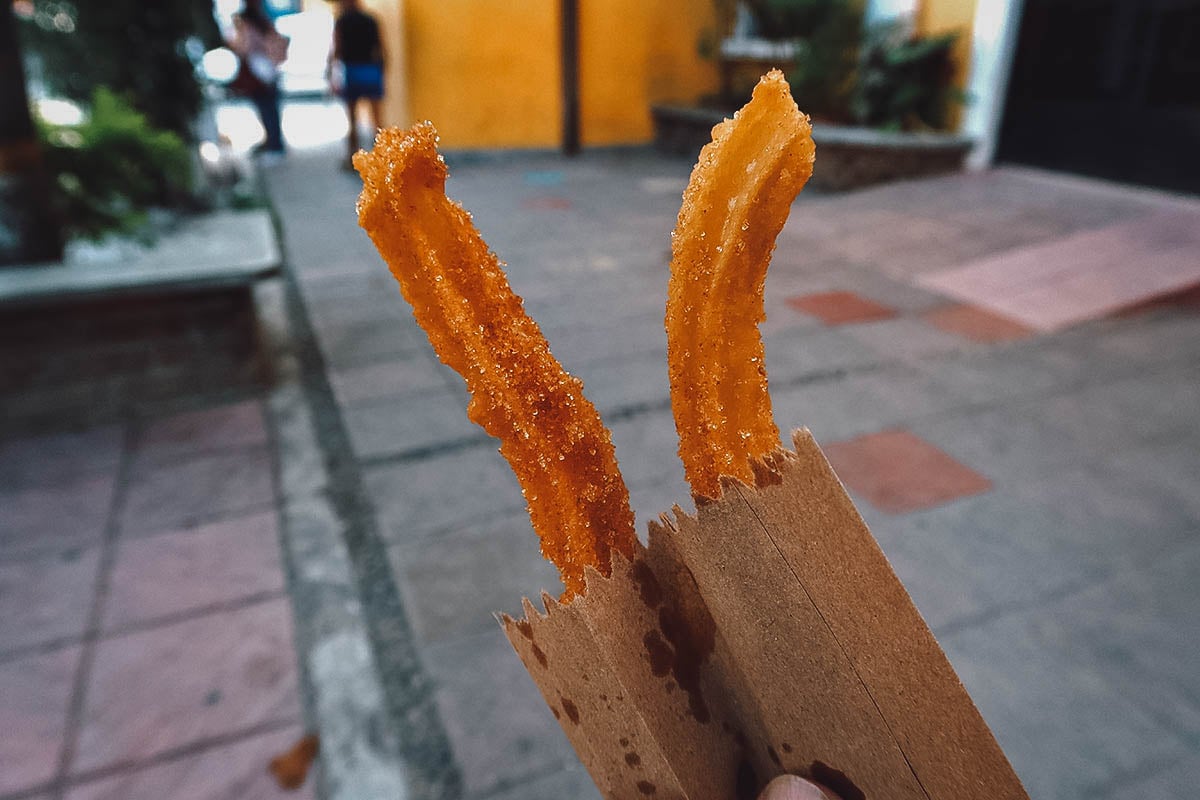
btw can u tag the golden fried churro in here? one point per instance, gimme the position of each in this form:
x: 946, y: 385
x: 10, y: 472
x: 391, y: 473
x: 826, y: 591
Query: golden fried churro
x: 734, y: 207
x: 549, y: 433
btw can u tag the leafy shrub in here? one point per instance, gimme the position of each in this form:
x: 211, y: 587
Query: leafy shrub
x: 137, y: 48
x: 110, y: 169
x: 905, y: 81
x: 827, y: 35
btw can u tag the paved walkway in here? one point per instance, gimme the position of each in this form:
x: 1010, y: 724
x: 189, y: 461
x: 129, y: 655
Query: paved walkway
x: 1036, y: 492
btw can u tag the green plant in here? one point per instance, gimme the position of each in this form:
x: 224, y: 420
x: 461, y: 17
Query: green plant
x: 793, y: 19
x: 905, y: 81
x: 138, y: 48
x: 827, y: 35
x: 110, y: 169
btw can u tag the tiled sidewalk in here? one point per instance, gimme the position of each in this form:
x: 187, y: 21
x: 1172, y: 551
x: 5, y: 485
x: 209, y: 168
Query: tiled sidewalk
x: 1036, y: 493
x: 145, y: 632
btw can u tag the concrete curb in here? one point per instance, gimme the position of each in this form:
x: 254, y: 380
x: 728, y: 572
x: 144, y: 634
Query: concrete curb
x: 366, y: 690
x: 343, y: 698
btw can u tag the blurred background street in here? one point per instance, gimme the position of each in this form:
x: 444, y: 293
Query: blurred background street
x: 240, y: 499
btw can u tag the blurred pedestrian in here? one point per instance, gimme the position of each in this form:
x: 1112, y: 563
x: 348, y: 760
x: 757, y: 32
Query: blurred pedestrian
x: 359, y: 54
x: 260, y: 50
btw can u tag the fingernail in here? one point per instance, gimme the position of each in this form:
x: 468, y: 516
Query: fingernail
x: 790, y: 787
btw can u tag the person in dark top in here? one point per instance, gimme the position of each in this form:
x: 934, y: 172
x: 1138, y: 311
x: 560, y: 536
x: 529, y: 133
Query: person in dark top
x: 358, y: 47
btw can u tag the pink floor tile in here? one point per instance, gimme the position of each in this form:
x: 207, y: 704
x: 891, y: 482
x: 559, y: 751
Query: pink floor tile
x: 232, y: 772
x: 898, y: 472
x: 170, y: 686
x: 192, y: 569
x: 976, y: 324
x: 840, y: 308
x: 34, y: 694
x: 46, y: 598
x: 1084, y: 276
x: 225, y: 426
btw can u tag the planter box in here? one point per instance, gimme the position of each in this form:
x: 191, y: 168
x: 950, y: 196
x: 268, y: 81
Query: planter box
x: 847, y: 157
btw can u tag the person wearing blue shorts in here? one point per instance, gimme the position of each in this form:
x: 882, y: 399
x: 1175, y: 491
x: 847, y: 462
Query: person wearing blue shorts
x: 358, y: 47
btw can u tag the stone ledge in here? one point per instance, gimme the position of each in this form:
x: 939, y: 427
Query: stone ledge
x: 220, y: 250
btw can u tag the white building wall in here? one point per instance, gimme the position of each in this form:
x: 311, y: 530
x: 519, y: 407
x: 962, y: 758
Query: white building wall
x: 993, y: 44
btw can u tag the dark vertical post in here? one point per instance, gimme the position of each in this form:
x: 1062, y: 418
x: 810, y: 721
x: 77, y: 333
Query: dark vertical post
x: 569, y: 19
x: 28, y: 229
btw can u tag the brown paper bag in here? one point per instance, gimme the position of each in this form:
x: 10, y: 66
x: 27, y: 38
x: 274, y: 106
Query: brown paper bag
x: 766, y: 634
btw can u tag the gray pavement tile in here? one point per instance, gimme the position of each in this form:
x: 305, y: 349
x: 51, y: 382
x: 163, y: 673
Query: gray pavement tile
x: 573, y: 783
x: 364, y: 341
x: 1076, y: 202
x: 1107, y: 418
x: 1062, y: 725
x: 501, y: 730
x: 368, y: 281
x: 182, y: 494
x: 49, y: 517
x: 647, y: 448
x: 1142, y: 631
x: 907, y: 339
x: 50, y: 458
x: 1001, y: 443
x: 597, y: 302
x: 868, y: 402
x: 578, y: 345
x: 387, y: 308
x: 1171, y: 466
x: 1177, y: 778
x: 1123, y: 518
x: 414, y: 421
x: 453, y: 581
x: 414, y: 498
x: 1165, y: 338
x: 981, y: 555
x: 633, y: 381
x: 1078, y: 355
x: 992, y: 376
x: 1156, y: 405
x: 397, y: 377
x: 794, y: 355
x: 46, y: 598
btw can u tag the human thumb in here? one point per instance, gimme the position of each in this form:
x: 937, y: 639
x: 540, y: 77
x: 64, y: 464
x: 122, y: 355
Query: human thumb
x: 790, y: 787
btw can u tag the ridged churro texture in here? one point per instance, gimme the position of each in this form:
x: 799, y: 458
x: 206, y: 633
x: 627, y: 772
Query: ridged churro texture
x: 734, y: 207
x: 550, y: 434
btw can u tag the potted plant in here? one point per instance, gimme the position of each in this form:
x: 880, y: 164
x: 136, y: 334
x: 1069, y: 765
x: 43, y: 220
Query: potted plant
x: 880, y: 100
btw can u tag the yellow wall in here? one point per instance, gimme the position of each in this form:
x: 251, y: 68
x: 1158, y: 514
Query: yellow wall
x: 633, y: 54
x: 939, y: 16
x: 487, y: 72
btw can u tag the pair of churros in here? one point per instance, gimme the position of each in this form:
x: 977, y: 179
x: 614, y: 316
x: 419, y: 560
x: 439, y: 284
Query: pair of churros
x: 734, y: 207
